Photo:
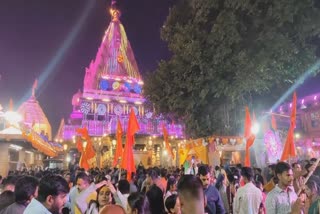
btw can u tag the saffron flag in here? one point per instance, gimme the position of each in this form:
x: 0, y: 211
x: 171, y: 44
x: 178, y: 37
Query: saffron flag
x: 119, y: 148
x: 127, y: 162
x: 289, y: 147
x: 247, y: 124
x: 248, y: 136
x: 166, y: 141
x: 273, y: 122
x: 87, y: 151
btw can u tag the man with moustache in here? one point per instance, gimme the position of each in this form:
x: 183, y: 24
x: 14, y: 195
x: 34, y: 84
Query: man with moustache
x: 52, y: 195
x: 283, y: 199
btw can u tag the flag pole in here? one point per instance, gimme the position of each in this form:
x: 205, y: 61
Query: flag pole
x: 309, y: 175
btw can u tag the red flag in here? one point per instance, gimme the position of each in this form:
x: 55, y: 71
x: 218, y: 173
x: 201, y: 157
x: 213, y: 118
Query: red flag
x: 249, y: 143
x: 119, y: 148
x: 166, y: 141
x: 127, y: 162
x: 248, y: 135
x: 247, y: 124
x: 273, y: 122
x: 289, y: 147
x: 87, y: 152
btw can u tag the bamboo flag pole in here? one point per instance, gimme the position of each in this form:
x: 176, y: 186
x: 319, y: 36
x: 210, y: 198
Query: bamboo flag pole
x: 309, y: 174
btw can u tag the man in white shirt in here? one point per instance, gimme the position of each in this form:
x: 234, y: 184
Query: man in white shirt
x: 283, y: 199
x: 248, y: 198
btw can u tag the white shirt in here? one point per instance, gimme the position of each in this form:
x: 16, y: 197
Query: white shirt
x: 247, y: 199
x: 280, y: 201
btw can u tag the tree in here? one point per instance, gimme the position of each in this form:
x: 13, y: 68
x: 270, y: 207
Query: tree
x: 227, y: 54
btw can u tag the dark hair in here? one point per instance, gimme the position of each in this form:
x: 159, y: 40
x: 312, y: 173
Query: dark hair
x: 294, y: 164
x: 163, y: 172
x: 307, y: 166
x: 313, y: 159
x: 153, y: 174
x: 6, y: 198
x: 203, y: 170
x: 25, y: 188
x: 281, y: 167
x: 139, y: 202
x: 10, y: 180
x: 155, y: 198
x: 157, y: 169
x: 171, y: 181
x: 190, y: 184
x: 52, y: 185
x: 124, y: 186
x: 247, y: 172
x: 171, y: 202
x: 83, y: 176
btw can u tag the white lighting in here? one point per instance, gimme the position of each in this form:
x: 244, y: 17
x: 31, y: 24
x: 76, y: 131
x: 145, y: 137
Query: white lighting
x: 12, y: 117
x: 68, y: 159
x: 138, y: 103
x: 114, y: 142
x: 16, y: 147
x: 309, y: 149
x: 297, y: 135
x: 164, y: 152
x: 106, y: 100
x: 122, y: 101
x: 140, y: 83
x: 255, y: 128
x: 89, y: 98
x: 28, y: 152
x: 315, y: 97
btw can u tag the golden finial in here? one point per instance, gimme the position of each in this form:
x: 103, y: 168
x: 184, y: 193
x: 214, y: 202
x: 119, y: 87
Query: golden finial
x: 114, y: 11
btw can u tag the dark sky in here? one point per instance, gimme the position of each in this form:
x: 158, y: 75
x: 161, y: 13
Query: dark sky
x: 31, y: 33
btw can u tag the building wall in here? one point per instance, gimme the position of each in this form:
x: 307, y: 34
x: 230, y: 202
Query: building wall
x: 4, y: 158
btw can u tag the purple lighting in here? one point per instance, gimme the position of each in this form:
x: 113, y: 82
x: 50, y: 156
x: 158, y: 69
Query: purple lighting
x: 302, y: 101
x: 315, y: 97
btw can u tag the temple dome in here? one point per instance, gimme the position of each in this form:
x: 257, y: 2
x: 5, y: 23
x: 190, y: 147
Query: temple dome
x: 33, y: 116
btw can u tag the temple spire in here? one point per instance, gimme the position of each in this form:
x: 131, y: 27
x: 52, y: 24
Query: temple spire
x: 114, y: 11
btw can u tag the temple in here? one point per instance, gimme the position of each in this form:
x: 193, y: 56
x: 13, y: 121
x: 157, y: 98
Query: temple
x: 112, y: 86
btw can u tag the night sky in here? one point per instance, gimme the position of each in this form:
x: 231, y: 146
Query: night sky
x: 31, y: 33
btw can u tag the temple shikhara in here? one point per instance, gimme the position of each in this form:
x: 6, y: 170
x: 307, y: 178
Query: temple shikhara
x: 112, y: 87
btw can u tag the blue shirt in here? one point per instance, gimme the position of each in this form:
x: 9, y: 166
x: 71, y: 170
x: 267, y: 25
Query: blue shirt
x: 214, y: 201
x: 36, y: 207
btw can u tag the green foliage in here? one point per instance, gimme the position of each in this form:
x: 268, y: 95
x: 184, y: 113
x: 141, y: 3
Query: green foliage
x: 228, y: 54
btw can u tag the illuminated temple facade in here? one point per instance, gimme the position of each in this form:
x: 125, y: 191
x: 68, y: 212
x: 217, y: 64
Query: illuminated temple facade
x: 112, y: 86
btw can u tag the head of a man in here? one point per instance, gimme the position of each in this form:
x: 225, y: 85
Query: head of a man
x: 191, y: 195
x: 53, y: 190
x: 83, y: 181
x: 284, y: 173
x: 204, y: 175
x: 26, y: 189
x: 9, y: 183
x: 124, y: 186
x: 296, y: 168
x: 247, y: 174
x: 152, y: 175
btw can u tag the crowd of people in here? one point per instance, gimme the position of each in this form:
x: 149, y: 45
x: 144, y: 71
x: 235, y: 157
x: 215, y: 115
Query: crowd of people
x: 197, y: 190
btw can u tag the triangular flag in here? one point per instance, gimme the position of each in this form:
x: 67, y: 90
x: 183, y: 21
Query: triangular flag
x: 289, y: 147
x: 127, y: 162
x: 119, y: 148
